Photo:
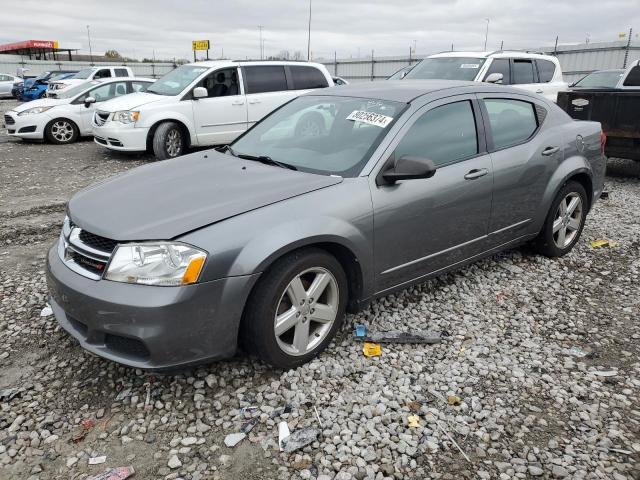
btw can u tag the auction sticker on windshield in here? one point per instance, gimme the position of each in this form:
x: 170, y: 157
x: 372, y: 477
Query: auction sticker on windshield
x: 470, y: 65
x: 370, y: 117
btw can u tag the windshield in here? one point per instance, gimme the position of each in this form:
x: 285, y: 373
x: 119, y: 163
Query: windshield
x: 72, y: 92
x: 446, y: 68
x: 322, y: 134
x: 607, y: 79
x: 84, y: 74
x: 400, y: 74
x: 177, y: 80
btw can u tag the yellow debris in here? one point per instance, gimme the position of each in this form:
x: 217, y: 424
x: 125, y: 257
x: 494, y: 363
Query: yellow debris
x: 603, y: 243
x: 371, y: 349
x: 413, y: 421
x: 453, y: 400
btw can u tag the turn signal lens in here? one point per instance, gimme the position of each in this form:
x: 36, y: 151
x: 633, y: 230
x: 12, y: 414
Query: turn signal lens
x: 193, y: 271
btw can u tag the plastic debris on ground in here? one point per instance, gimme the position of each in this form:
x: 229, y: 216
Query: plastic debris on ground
x: 283, y: 433
x: 244, y: 410
x: 360, y: 331
x: 97, y: 460
x: 453, y: 400
x: 299, y: 439
x: 233, y: 439
x: 119, y: 473
x: 605, y: 373
x: 46, y: 311
x: 603, y: 243
x: 413, y: 421
x: 604, y: 195
x: 577, y: 352
x: 371, y: 349
x: 8, y: 394
x: 248, y: 426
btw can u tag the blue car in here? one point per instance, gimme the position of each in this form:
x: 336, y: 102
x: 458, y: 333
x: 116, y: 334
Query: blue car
x: 35, y: 88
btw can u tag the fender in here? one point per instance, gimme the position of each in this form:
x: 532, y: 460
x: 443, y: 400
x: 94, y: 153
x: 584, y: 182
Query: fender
x: 174, y: 113
x: 571, y: 166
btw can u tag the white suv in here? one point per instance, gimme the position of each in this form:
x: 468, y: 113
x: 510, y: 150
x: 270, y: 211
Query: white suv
x: 203, y: 104
x: 54, y: 89
x: 530, y: 71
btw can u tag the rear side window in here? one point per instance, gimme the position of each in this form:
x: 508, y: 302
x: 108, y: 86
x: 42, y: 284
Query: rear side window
x: 445, y: 135
x: 512, y: 121
x: 633, y: 79
x: 546, y: 69
x: 522, y: 72
x: 139, y: 86
x: 500, y: 65
x: 268, y: 78
x: 307, y: 77
x: 121, y: 72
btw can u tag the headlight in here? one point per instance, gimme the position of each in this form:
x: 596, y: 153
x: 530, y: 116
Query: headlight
x: 162, y: 264
x: 126, y: 116
x: 33, y: 111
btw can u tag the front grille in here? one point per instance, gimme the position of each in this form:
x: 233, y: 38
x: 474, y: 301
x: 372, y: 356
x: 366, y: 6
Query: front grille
x: 96, y: 241
x: 94, y: 266
x: 100, y: 118
x: 9, y: 120
x: 127, y: 346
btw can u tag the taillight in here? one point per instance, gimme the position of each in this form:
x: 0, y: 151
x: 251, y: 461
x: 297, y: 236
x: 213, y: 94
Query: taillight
x: 603, y: 141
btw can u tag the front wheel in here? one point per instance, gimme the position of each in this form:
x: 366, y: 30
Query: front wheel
x: 168, y: 141
x: 564, y: 222
x: 61, y: 131
x: 296, y: 309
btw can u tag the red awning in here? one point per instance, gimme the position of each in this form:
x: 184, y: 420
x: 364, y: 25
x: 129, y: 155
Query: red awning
x: 30, y: 44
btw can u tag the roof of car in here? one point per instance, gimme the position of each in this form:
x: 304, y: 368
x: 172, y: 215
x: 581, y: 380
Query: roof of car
x: 394, y: 90
x: 496, y: 53
x: 235, y: 63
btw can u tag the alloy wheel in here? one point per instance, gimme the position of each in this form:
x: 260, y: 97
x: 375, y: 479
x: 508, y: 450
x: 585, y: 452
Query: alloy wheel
x: 568, y: 220
x: 62, y: 130
x: 174, y: 143
x: 306, y: 311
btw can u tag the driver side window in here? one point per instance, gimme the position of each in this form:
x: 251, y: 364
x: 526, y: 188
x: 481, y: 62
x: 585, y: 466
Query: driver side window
x: 445, y: 135
x: 106, y: 92
x: 221, y: 83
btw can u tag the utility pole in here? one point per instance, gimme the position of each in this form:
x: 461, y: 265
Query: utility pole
x: 260, y: 27
x: 501, y: 45
x: 626, y: 53
x: 486, y: 35
x: 309, y: 35
x: 90, y: 51
x: 555, y: 48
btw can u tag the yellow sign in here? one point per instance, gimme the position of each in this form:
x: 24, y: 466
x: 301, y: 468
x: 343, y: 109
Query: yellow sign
x: 200, y: 45
x: 622, y: 35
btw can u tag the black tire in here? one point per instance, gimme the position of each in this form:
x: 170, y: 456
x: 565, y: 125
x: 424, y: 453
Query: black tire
x: 61, y: 131
x: 546, y: 242
x: 258, y: 336
x: 163, y: 141
x: 310, y: 125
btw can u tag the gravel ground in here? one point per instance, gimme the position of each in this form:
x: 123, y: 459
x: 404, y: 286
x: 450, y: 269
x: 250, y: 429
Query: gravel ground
x: 528, y: 341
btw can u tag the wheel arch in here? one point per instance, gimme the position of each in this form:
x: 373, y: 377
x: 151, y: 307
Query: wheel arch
x: 183, y: 126
x: 74, y: 123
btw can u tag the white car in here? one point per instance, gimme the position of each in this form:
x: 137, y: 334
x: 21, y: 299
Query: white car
x: 86, y: 75
x: 63, y: 120
x: 203, y: 104
x: 533, y: 72
x: 6, y: 84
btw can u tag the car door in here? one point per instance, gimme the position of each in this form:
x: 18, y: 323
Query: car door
x: 267, y: 88
x: 221, y: 116
x: 101, y: 93
x: 524, y: 154
x: 423, y: 226
x: 6, y: 82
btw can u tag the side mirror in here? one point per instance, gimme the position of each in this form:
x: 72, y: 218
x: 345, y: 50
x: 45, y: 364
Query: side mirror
x: 494, y: 78
x: 200, y: 92
x: 408, y: 167
x: 88, y: 101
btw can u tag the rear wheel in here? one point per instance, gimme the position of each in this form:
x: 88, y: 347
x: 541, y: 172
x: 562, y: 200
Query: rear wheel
x: 168, y: 141
x: 564, y: 222
x: 296, y: 309
x: 61, y: 131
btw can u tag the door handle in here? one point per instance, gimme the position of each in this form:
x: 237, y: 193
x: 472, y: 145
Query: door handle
x: 547, y: 152
x: 539, y: 91
x: 476, y: 173
x: 254, y: 100
x: 238, y: 102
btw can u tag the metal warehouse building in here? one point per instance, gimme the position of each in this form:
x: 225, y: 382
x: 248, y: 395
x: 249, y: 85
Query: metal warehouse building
x: 576, y: 61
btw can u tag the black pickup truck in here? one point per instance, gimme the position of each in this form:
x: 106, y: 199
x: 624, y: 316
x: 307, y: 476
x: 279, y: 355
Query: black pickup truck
x: 617, y: 109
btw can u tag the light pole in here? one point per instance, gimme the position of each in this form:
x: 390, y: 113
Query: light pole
x: 90, y: 51
x: 260, y: 27
x: 486, y: 35
x: 309, y: 35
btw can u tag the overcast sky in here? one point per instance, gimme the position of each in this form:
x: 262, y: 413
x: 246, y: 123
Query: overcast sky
x: 389, y: 27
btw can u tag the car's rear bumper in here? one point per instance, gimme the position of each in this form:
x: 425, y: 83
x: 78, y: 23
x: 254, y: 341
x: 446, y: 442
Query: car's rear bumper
x: 127, y: 139
x: 148, y: 327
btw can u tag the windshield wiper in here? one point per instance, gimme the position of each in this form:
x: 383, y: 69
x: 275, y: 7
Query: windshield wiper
x: 260, y: 158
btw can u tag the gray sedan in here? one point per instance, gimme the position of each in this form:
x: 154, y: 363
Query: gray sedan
x: 269, y: 243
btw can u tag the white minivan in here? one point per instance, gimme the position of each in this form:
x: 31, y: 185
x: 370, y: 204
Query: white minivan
x: 533, y: 72
x: 203, y: 104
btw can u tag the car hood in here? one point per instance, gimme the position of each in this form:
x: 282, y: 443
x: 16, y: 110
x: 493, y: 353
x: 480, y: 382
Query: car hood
x: 167, y: 199
x: 43, y: 102
x: 133, y: 100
